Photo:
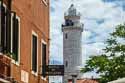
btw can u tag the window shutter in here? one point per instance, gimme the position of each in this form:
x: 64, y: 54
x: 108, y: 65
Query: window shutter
x: 3, y: 28
x: 8, y: 31
x: 15, y: 36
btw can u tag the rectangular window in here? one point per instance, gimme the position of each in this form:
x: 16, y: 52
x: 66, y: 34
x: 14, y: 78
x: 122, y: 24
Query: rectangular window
x: 15, y: 37
x: 43, y: 59
x: 66, y: 36
x: 34, y: 53
x: 5, y: 29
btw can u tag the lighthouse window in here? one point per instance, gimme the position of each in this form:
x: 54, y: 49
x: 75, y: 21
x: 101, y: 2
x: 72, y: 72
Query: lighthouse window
x: 66, y: 35
x: 66, y: 63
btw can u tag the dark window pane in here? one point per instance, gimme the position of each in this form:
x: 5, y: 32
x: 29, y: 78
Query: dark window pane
x: 15, y: 37
x: 3, y: 29
x: 66, y: 35
x: 34, y: 53
x: 44, y: 59
x: 8, y: 31
x: 66, y: 63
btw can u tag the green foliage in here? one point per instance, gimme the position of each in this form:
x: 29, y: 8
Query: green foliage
x: 110, y: 65
x: 11, y: 55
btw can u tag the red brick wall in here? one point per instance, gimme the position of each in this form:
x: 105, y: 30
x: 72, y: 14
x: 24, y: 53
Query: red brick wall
x: 34, y: 16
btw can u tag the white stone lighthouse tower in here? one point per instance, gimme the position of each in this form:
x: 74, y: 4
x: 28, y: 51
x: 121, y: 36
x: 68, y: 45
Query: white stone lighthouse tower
x: 72, y: 48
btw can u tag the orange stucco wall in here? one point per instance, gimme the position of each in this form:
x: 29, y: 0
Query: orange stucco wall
x: 34, y: 16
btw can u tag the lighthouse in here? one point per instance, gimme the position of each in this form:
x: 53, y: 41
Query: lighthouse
x: 72, y: 48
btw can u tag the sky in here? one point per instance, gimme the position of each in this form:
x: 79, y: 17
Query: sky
x: 99, y: 18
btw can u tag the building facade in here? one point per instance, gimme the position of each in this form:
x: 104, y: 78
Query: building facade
x: 24, y: 41
x: 72, y: 47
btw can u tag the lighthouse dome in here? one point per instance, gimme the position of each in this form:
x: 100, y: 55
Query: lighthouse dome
x: 72, y: 11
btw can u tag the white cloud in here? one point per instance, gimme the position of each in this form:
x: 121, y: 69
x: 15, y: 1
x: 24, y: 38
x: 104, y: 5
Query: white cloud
x: 94, y: 33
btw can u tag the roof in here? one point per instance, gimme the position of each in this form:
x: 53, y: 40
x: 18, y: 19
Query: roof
x: 122, y: 80
x: 86, y: 81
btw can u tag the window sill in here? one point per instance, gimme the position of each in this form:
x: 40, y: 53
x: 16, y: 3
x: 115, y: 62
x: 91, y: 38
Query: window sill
x: 34, y: 73
x: 1, y: 53
x: 45, y: 2
x: 15, y: 62
x: 43, y: 78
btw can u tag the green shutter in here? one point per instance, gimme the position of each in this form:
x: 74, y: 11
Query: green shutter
x: 8, y: 31
x: 3, y: 29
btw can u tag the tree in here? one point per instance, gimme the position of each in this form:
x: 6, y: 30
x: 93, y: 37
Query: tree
x: 111, y: 64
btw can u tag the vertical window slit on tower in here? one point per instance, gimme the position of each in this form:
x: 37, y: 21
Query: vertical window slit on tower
x: 66, y: 35
x: 66, y: 63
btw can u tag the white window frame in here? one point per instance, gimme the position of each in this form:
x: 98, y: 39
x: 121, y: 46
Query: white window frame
x: 42, y: 42
x: 35, y: 34
x: 13, y: 61
x: 45, y: 2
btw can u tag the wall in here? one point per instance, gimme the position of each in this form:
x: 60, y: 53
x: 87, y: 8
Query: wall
x: 34, y: 16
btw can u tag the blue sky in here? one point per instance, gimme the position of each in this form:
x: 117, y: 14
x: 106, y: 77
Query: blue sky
x: 99, y: 18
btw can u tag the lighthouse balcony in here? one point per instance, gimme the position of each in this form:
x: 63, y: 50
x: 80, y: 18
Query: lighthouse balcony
x: 71, y: 24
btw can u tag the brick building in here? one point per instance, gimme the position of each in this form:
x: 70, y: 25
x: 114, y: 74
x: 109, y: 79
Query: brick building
x: 24, y: 41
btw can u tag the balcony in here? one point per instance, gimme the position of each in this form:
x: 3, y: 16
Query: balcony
x: 4, y: 69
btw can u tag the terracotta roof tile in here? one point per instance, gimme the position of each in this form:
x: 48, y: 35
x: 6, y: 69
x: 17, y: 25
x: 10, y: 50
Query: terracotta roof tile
x: 86, y: 81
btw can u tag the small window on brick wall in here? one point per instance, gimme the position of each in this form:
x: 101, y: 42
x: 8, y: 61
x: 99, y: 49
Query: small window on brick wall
x: 34, y: 53
x: 43, y: 59
x: 15, y: 36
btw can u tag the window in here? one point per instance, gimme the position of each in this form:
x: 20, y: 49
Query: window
x: 66, y: 63
x: 2, y: 27
x: 43, y: 59
x: 66, y: 36
x: 9, y: 35
x: 34, y: 53
x: 5, y: 29
x: 15, y: 36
